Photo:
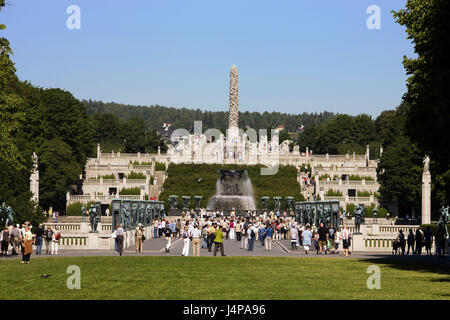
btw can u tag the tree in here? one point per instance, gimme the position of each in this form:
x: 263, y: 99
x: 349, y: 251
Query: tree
x: 59, y: 167
x: 428, y: 26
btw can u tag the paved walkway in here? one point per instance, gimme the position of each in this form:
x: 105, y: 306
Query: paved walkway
x: 156, y: 247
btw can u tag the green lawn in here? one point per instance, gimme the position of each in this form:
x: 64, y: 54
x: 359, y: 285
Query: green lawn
x: 221, y: 278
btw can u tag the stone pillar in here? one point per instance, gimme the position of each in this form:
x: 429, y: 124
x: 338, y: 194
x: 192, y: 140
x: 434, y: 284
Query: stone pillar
x: 426, y: 192
x: 159, y: 150
x: 99, y: 152
x: 368, y: 152
x: 381, y: 150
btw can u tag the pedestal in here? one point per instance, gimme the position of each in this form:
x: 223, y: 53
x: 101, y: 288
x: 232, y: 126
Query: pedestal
x: 357, y: 242
x: 84, y: 227
x: 426, y: 198
x: 93, y: 240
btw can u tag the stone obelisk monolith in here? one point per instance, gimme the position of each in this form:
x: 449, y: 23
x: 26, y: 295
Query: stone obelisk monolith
x: 233, y: 130
x: 426, y: 192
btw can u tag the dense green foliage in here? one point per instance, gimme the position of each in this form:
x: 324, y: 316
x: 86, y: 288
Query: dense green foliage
x: 74, y: 209
x: 132, y: 135
x: 427, y: 24
x: 130, y: 191
x: 200, y: 180
x: 400, y: 168
x: 136, y: 175
x: 155, y: 116
x: 296, y: 278
x: 341, y: 135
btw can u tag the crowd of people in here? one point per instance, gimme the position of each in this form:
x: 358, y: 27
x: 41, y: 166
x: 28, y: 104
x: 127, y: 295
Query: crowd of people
x: 420, y: 240
x: 208, y: 229
x: 16, y: 239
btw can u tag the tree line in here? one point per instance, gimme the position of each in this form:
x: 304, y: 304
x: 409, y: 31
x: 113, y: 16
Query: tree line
x: 155, y: 115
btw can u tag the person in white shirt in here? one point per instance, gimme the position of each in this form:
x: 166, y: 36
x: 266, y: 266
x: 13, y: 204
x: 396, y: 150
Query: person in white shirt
x: 196, y: 236
x: 55, y: 237
x: 337, y: 240
x: 186, y: 241
x: 345, y: 240
x: 294, y: 237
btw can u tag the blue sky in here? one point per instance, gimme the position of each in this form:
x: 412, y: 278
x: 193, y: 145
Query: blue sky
x: 293, y: 56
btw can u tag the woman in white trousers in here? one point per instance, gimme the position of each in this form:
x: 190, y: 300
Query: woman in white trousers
x: 186, y: 241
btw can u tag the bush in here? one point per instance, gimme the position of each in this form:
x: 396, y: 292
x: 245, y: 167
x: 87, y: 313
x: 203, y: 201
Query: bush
x: 363, y: 193
x: 136, y: 191
x: 200, y: 180
x: 74, y: 209
x: 160, y: 166
x: 333, y: 193
x: 109, y: 176
x: 135, y: 175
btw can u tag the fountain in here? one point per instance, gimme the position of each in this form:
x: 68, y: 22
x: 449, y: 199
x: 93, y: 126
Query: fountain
x: 234, y: 191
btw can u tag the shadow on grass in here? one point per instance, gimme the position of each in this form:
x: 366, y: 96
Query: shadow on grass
x: 415, y: 263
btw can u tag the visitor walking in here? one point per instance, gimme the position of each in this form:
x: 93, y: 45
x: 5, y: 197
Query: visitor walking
x: 48, y: 235
x: 428, y: 237
x: 440, y: 241
x: 238, y: 230
x: 410, y: 241
x: 139, y: 235
x: 337, y: 240
x: 251, y: 237
x: 306, y: 238
x: 268, y: 237
x: 218, y: 241
x: 323, y: 237
x: 168, y: 236
x: 119, y: 234
x: 27, y: 244
x: 419, y: 241
x: 261, y: 234
x: 55, y: 241
x: 196, y: 235
x: 345, y: 240
x: 186, y: 242
x: 39, y: 239
x: 232, y: 230
x: 294, y: 237
x: 401, y: 240
x: 4, y: 241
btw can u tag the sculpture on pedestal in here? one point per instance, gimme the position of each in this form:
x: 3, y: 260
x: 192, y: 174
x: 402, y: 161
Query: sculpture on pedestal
x: 186, y: 202
x: 375, y: 215
x: 134, y: 208
x: 141, y: 214
x: 125, y: 217
x: 93, y: 218
x: 359, y: 211
x: 289, y: 202
x: 314, y: 218
x: 264, y: 202
x: 9, y: 214
x: 444, y: 218
x: 173, y: 202
x: 197, y: 200
x: 277, y: 202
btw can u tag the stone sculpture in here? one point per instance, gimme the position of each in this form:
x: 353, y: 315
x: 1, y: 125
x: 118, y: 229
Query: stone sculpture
x: 359, y: 211
x: 234, y: 98
x: 173, y: 202
x: 93, y: 218
x: 9, y: 213
x: 444, y: 217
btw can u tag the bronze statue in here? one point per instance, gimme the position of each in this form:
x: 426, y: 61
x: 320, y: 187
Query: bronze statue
x: 359, y: 211
x: 9, y: 213
x: 444, y: 218
x: 173, y: 202
x: 93, y: 218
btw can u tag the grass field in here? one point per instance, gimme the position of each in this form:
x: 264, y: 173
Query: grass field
x: 254, y: 278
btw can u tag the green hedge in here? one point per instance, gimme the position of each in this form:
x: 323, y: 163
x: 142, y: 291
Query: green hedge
x: 160, y: 166
x: 136, y: 191
x: 184, y: 180
x: 74, y: 209
x: 135, y: 175
x: 333, y: 193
